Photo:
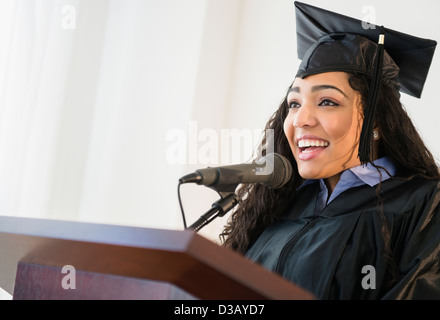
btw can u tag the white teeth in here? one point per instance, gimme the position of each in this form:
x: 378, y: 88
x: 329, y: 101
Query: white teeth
x: 305, y: 143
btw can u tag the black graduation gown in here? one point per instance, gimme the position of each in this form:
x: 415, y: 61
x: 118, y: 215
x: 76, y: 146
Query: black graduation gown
x: 339, y: 254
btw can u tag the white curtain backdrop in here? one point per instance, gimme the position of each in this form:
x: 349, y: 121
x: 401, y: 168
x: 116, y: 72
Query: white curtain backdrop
x: 104, y: 104
x: 34, y: 62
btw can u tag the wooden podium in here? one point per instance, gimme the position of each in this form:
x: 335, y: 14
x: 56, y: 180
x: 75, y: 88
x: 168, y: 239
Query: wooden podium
x: 52, y: 259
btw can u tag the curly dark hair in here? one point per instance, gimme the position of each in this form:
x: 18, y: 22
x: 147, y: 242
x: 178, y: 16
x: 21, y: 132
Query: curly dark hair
x: 260, y: 206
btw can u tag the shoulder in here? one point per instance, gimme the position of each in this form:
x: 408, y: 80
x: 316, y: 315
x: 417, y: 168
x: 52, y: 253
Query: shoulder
x: 412, y: 188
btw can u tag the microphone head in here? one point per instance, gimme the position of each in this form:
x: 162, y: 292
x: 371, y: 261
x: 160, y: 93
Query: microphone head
x: 282, y: 171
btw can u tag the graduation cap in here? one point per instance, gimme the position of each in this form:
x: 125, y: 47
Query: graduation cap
x: 328, y: 41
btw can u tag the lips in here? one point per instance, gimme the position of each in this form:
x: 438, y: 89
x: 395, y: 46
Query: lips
x: 311, y: 147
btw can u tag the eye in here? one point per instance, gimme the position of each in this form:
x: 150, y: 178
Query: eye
x: 328, y: 102
x: 294, y: 104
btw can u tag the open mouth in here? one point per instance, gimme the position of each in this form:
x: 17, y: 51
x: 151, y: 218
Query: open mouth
x: 311, y: 145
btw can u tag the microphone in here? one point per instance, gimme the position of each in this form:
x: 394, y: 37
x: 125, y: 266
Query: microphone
x: 272, y: 170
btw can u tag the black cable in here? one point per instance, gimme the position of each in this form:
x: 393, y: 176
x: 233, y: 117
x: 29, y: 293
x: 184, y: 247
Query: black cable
x: 181, y: 206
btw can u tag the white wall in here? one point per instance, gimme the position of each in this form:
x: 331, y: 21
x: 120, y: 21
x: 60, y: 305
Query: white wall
x: 94, y: 124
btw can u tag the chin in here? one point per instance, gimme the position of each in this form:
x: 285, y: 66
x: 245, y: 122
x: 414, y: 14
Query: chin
x: 308, y: 175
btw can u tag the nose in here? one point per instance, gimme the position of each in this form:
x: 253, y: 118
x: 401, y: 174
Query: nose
x: 304, y: 116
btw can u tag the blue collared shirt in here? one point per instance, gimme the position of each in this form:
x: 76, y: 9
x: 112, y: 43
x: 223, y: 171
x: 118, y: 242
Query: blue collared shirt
x: 354, y: 177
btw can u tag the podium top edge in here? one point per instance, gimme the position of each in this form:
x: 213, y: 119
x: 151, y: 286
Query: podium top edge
x: 160, y: 239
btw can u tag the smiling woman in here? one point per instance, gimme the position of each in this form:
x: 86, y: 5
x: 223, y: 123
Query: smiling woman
x: 364, y: 196
x: 323, y: 125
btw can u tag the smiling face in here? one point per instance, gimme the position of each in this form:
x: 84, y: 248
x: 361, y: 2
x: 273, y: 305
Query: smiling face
x: 323, y: 125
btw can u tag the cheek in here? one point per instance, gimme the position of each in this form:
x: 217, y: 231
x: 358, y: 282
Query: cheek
x: 289, y: 131
x: 343, y: 129
x: 288, y: 127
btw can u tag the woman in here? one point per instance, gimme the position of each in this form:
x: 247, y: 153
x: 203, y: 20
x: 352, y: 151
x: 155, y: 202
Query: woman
x: 348, y: 225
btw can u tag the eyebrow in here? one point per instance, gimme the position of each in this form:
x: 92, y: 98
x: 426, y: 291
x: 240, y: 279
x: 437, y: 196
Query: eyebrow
x: 317, y: 88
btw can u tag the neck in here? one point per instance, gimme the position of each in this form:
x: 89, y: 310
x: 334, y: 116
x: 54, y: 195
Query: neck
x: 331, y: 182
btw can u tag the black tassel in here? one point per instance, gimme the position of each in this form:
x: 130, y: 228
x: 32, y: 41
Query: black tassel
x: 366, y: 138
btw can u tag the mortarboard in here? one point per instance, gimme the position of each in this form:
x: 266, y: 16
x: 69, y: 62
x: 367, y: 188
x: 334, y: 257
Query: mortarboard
x: 328, y: 41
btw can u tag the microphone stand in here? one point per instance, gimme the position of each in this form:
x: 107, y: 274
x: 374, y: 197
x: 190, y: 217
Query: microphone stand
x: 228, y: 200
x: 219, y: 209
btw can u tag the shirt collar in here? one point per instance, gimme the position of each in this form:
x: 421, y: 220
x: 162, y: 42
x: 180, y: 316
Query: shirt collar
x: 367, y: 173
x: 371, y: 175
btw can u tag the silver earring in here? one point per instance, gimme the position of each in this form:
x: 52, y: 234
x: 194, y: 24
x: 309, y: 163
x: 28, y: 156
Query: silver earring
x: 375, y: 134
